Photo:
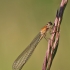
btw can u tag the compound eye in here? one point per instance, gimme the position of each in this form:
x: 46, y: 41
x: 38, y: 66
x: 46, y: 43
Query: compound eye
x: 50, y: 23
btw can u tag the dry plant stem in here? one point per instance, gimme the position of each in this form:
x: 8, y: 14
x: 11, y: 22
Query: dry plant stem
x: 47, y: 56
x: 54, y: 40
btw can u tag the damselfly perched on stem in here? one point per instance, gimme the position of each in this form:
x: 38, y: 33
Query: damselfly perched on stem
x: 24, y: 56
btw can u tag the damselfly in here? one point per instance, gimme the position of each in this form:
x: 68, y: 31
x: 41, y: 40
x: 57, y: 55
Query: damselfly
x: 24, y: 56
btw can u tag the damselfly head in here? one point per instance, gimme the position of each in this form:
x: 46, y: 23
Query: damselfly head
x: 49, y: 24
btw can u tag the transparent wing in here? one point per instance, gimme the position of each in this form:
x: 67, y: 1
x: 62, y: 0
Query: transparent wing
x: 24, y: 56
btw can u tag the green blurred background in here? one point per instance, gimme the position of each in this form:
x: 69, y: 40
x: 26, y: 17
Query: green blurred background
x: 20, y: 21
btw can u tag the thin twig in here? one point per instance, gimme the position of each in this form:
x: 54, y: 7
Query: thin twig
x: 54, y: 39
